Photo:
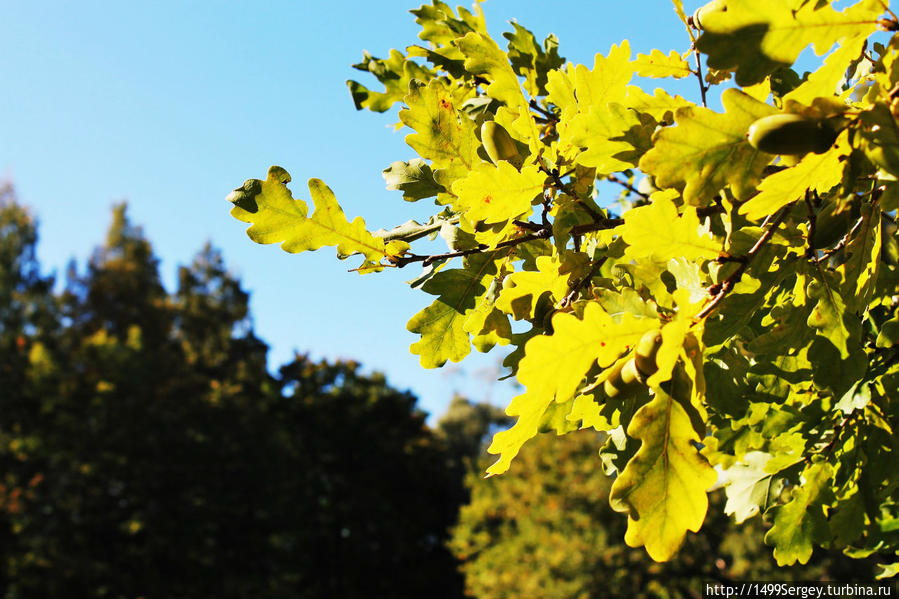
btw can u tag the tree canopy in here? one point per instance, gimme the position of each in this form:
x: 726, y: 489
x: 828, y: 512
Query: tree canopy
x: 727, y: 315
x: 146, y: 451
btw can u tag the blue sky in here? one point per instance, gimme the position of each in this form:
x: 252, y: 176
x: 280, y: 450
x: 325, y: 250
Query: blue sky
x: 169, y: 105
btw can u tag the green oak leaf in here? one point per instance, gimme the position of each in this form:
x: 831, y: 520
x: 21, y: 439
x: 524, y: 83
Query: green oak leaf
x: 607, y: 81
x: 522, y: 290
x: 887, y: 570
x: 276, y: 217
x: 661, y: 105
x: 819, y: 172
x: 864, y: 263
x: 784, y: 327
x: 488, y: 326
x: 888, y: 336
x: 440, y: 25
x: 707, y: 151
x: 555, y: 418
x: 658, y: 64
x: 442, y: 134
x: 554, y: 367
x: 658, y: 231
x: 498, y: 193
x: 484, y: 57
x: 607, y: 135
x: 663, y: 487
x: 827, y: 315
x: 833, y: 372
x: 748, y: 486
x: 802, y: 523
x: 414, y: 178
x: 394, y: 73
x: 757, y: 37
x: 532, y: 61
x: 442, y: 324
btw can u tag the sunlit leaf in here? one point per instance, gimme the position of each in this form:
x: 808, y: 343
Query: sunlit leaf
x: 819, y: 172
x: 663, y: 488
x: 658, y: 231
x: 275, y: 217
x: 443, y: 134
x: 498, y: 193
x: 707, y: 151
x: 554, y: 366
x: 658, y: 64
x: 758, y: 37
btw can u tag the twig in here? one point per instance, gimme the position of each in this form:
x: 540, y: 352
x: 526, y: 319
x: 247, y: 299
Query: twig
x: 812, y: 225
x: 561, y: 185
x: 698, y: 72
x: 402, y: 261
x: 720, y: 291
x: 609, y: 223
x: 575, y: 289
x: 527, y: 225
x: 627, y: 186
x: 546, y: 113
x: 886, y: 7
x: 828, y: 253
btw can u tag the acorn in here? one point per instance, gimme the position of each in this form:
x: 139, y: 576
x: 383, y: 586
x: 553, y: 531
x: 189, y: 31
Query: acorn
x: 788, y: 133
x: 646, y: 351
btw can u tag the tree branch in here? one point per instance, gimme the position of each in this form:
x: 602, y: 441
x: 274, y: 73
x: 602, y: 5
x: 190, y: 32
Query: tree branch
x: 698, y: 72
x: 548, y: 115
x: 561, y: 185
x: 576, y: 288
x: 627, y: 186
x: 721, y: 290
x: 812, y: 226
x: 402, y: 261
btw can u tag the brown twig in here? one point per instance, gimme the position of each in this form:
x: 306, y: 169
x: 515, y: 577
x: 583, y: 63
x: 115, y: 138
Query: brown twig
x: 721, y: 290
x: 609, y: 223
x: 549, y: 116
x: 561, y: 185
x: 698, y: 72
x: 828, y: 253
x: 886, y: 7
x: 627, y: 186
x: 576, y: 288
x: 524, y: 224
x: 812, y: 225
x: 402, y: 261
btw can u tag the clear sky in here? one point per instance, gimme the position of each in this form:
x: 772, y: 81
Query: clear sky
x: 169, y: 105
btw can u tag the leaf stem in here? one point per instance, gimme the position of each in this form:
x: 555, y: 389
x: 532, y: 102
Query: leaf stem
x: 886, y: 7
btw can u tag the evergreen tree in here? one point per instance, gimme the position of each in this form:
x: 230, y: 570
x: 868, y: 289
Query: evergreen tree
x: 149, y: 453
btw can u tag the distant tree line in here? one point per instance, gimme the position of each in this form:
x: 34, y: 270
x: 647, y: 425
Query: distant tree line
x: 146, y: 451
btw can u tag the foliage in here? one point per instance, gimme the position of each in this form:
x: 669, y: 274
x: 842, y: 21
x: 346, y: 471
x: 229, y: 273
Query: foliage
x: 772, y: 279
x: 147, y: 452
x: 546, y: 529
